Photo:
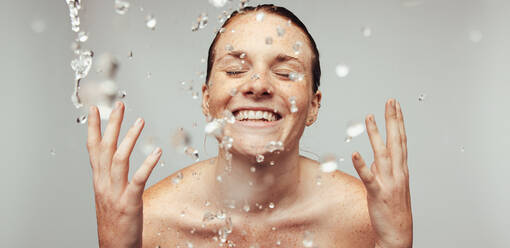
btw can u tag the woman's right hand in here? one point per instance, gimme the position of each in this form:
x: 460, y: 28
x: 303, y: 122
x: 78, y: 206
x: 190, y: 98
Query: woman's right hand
x: 119, y: 205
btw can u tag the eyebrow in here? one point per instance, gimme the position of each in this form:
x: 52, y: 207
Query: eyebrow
x: 279, y: 58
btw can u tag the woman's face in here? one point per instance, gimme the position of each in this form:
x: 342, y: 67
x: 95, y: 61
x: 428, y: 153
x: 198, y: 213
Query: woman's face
x: 251, y: 74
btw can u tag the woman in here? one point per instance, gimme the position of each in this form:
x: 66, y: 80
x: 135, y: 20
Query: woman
x: 252, y: 195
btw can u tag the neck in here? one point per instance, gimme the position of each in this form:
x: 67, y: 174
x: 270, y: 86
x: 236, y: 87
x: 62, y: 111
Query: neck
x: 274, y: 182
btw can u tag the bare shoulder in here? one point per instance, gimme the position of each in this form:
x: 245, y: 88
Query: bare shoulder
x: 169, y: 204
x: 344, y: 204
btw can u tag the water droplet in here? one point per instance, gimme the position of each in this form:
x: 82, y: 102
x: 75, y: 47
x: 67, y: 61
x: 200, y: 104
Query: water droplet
x: 462, y: 149
x: 150, y: 22
x: 192, y: 152
x: 280, y: 31
x: 215, y: 127
x: 294, y: 76
x: 354, y: 129
x: 207, y: 203
x: 177, y: 179
x: 308, y: 239
x: 218, y: 3
x: 121, y: 94
x: 130, y: 56
x: 229, y: 117
x: 271, y: 205
x: 475, y: 36
x: 192, y: 231
x: 328, y: 163
x: 342, y: 70
x: 421, y: 97
x: 82, y: 119
x: 226, y: 142
x: 162, y: 163
x: 229, y: 47
x: 274, y: 146
x: 38, y: 26
x: 260, y: 158
x: 53, y: 152
x: 208, y: 216
x: 200, y: 23
x: 221, y: 30
x: 318, y: 180
x: 269, y: 40
x: 253, y: 169
x: 246, y: 208
x: 121, y: 7
x: 255, y: 77
x: 259, y: 17
x: 233, y: 91
x: 297, y: 47
x: 81, y: 65
x: 273, y: 228
x: 271, y: 163
x: 219, y: 178
x: 366, y: 31
x: 180, y: 139
x: 278, y: 242
x: 293, y: 107
x: 347, y: 139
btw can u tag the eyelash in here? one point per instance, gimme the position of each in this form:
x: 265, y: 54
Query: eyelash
x: 234, y: 73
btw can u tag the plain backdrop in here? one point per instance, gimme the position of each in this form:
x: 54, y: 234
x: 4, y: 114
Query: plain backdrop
x: 456, y: 52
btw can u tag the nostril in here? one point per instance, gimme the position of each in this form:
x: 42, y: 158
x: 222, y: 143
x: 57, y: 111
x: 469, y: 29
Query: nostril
x: 265, y: 93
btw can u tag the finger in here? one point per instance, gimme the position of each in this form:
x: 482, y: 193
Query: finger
x: 111, y: 134
x: 120, y: 162
x: 403, y: 137
x: 393, y: 141
x: 137, y: 185
x: 381, y: 155
x: 93, y: 135
x: 366, y: 176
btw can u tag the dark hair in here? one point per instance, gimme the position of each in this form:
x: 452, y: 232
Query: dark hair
x: 283, y: 12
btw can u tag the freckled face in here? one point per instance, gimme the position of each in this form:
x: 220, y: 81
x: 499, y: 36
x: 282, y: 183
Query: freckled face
x: 248, y: 74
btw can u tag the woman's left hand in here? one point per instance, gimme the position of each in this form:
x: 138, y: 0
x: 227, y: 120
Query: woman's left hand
x: 387, y: 181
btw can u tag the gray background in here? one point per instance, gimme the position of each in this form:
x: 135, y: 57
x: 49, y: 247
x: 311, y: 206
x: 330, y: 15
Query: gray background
x: 457, y: 138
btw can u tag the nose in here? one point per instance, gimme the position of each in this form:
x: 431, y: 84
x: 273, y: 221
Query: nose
x: 257, y: 87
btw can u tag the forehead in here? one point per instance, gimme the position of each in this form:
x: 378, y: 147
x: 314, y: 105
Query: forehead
x: 249, y: 32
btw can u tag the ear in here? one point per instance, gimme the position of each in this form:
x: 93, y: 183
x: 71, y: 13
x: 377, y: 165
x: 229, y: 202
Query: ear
x: 205, y: 99
x: 313, y: 111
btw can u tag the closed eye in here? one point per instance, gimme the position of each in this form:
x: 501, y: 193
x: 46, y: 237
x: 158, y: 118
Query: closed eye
x: 234, y: 73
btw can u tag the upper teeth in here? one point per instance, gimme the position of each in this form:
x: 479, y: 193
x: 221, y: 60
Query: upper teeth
x: 255, y: 115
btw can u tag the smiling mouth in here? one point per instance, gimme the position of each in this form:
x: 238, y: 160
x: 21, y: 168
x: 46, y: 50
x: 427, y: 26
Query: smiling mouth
x: 256, y: 115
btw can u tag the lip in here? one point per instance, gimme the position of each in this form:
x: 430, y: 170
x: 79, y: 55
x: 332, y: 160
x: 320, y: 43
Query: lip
x: 257, y: 124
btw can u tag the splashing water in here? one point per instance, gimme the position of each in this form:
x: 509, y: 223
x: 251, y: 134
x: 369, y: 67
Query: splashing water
x: 259, y: 17
x: 269, y: 40
x: 200, y: 23
x: 293, y: 107
x: 342, y: 70
x: 218, y: 3
x: 354, y: 129
x: 297, y: 47
x: 150, y: 22
x: 274, y: 146
x: 121, y: 7
x: 328, y: 163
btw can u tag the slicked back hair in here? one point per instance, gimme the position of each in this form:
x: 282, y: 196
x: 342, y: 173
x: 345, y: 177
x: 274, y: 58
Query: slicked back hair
x: 280, y: 11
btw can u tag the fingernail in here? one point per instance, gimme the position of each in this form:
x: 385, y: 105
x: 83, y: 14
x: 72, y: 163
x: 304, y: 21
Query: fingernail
x: 392, y: 101
x: 138, y: 121
x: 156, y: 151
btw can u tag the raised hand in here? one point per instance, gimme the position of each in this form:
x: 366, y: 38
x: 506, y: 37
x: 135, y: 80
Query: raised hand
x: 119, y: 206
x: 387, y: 181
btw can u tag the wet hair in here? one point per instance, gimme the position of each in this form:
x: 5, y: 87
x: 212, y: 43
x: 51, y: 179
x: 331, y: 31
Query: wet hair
x: 280, y: 11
